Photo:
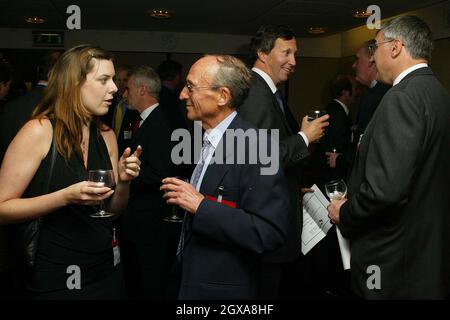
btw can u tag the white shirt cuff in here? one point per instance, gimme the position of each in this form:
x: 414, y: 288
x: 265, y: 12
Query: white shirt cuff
x: 304, y: 138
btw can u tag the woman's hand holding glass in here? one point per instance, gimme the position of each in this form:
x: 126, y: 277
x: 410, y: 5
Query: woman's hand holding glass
x: 105, y: 178
x: 87, y: 193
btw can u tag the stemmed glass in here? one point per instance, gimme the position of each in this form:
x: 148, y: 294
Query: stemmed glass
x: 107, y: 178
x: 174, y: 210
x: 336, y: 189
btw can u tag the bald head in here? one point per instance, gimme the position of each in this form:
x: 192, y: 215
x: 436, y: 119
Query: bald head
x: 215, y: 86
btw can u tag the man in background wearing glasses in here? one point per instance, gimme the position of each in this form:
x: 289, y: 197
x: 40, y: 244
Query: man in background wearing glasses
x: 396, y: 216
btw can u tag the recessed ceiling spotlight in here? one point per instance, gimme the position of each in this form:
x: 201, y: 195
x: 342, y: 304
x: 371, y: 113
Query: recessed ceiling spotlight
x: 35, y: 20
x: 361, y: 13
x: 159, y: 13
x: 316, y: 30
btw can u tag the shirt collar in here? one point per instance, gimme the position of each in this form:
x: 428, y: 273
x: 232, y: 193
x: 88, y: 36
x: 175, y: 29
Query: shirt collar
x: 266, y: 78
x: 407, y: 71
x: 215, y: 134
x: 343, y: 105
x: 144, y: 114
x: 42, y: 83
x: 373, y: 84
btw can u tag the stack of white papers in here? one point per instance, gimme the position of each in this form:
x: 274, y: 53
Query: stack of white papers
x: 316, y: 225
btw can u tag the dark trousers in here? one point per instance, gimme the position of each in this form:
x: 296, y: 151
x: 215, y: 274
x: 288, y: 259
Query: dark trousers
x: 150, y: 270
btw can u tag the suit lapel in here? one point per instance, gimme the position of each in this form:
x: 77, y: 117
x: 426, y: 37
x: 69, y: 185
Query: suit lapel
x: 143, y: 128
x: 215, y: 172
x: 275, y: 106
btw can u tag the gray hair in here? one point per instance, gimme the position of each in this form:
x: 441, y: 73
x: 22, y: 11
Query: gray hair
x: 233, y: 74
x: 414, y: 33
x: 147, y: 77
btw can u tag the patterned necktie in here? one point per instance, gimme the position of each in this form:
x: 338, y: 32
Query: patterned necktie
x: 279, y: 98
x: 206, y: 150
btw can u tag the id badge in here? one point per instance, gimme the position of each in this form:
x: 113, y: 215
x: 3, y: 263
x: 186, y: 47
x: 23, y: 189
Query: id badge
x: 116, y: 249
x: 127, y: 134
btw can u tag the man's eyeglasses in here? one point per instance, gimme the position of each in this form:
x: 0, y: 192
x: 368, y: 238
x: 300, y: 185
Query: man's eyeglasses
x: 191, y: 88
x: 374, y: 46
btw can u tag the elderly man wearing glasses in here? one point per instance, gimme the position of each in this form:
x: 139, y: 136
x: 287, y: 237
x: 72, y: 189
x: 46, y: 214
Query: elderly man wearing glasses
x: 234, y: 212
x: 396, y: 216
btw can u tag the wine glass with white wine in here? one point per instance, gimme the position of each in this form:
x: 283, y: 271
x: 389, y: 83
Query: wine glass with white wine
x: 107, y: 178
x: 336, y: 189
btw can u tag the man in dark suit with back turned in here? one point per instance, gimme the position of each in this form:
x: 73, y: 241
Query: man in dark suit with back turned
x: 273, y: 51
x: 234, y: 210
x: 146, y: 256
x: 396, y: 215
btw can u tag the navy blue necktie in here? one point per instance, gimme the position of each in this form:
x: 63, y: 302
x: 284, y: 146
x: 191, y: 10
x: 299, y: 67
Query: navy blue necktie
x: 279, y: 98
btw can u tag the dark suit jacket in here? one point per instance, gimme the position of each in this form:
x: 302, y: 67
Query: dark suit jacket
x: 221, y: 257
x: 397, y: 216
x: 128, y: 128
x: 337, y: 136
x: 14, y: 115
x: 171, y: 107
x: 146, y: 208
x: 367, y: 106
x: 261, y: 109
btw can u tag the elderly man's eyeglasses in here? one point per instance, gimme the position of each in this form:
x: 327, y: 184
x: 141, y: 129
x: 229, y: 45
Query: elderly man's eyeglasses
x: 374, y: 46
x: 191, y: 88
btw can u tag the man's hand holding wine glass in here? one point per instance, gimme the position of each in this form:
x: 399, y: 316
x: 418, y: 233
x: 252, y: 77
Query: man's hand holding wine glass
x: 336, y: 190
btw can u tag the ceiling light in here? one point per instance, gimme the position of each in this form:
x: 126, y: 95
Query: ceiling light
x: 361, y: 13
x: 316, y: 30
x: 35, y: 20
x: 159, y: 13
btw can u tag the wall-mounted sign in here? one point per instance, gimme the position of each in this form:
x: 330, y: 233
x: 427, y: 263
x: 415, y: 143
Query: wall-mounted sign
x: 48, y: 39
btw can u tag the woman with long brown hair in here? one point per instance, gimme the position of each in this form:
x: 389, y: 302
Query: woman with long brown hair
x: 75, y: 258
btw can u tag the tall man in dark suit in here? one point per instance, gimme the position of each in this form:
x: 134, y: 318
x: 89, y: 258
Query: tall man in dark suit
x: 145, y: 253
x: 336, y: 147
x: 396, y: 216
x: 235, y: 210
x: 335, y: 157
x: 366, y: 74
x: 273, y: 51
